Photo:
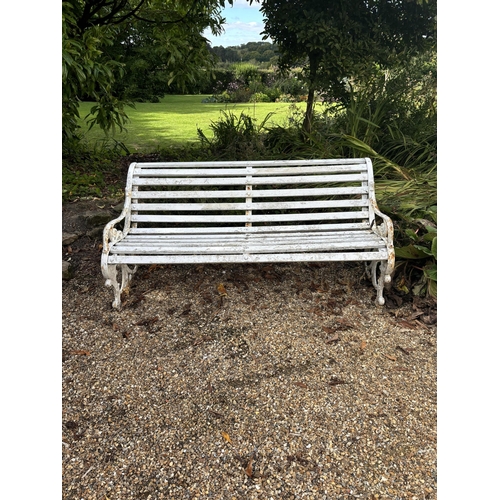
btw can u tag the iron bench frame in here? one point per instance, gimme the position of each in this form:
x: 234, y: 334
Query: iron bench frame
x: 248, y: 212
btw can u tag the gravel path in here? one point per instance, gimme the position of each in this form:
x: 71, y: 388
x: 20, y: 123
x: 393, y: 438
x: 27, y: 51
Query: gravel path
x: 293, y: 386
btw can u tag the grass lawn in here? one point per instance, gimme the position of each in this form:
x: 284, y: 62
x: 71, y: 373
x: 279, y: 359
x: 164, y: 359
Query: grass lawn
x: 176, y: 118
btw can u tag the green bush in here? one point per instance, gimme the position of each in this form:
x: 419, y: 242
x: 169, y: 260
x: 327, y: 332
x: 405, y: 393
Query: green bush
x: 272, y: 92
x: 246, y: 72
x: 396, y: 103
x: 256, y: 86
x: 235, y: 138
x: 285, y: 98
x: 260, y: 97
x: 417, y: 259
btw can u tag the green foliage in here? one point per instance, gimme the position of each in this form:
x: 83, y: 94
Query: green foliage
x: 335, y: 40
x: 117, y: 50
x: 162, y: 56
x: 255, y: 52
x: 406, y: 183
x: 108, y: 113
x: 291, y: 84
x: 77, y: 184
x: 95, y: 173
x: 235, y: 137
x: 395, y: 103
x: 422, y: 251
x: 245, y: 72
x: 260, y: 97
x: 86, y: 70
x: 242, y: 85
x: 390, y: 118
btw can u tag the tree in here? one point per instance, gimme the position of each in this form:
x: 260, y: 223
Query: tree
x: 86, y: 70
x: 160, y: 59
x: 103, y: 39
x: 338, y: 39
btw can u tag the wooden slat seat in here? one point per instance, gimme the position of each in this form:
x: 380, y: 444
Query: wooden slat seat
x: 261, y: 211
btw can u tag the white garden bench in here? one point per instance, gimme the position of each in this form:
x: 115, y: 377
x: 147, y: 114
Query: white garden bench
x: 248, y: 212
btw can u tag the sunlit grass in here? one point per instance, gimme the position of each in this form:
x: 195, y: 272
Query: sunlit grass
x: 176, y: 118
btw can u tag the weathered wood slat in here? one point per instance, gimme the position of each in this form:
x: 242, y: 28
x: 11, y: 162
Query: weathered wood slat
x: 362, y: 225
x: 224, y: 219
x: 247, y: 258
x: 252, y: 163
x: 282, y: 205
x: 232, y: 248
x: 255, y: 239
x: 201, y: 239
x: 190, y: 172
x: 242, y: 249
x: 254, y: 172
x: 256, y: 181
x: 256, y: 193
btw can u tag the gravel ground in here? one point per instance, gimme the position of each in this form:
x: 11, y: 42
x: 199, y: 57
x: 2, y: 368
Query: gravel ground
x: 293, y: 385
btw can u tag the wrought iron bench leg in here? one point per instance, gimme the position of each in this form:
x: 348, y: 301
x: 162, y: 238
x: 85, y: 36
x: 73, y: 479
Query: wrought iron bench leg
x: 378, y: 279
x: 112, y: 281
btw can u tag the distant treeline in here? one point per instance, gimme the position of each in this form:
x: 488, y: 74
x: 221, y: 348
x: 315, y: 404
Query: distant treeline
x: 259, y: 52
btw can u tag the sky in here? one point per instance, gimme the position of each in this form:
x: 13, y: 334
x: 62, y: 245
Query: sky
x: 244, y: 23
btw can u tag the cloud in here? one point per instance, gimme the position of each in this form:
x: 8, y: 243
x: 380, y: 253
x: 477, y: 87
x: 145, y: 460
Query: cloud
x: 239, y: 25
x: 238, y: 33
x: 245, y: 5
x: 244, y: 23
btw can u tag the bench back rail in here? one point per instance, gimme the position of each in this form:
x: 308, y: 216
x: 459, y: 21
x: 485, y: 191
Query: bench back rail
x: 261, y: 192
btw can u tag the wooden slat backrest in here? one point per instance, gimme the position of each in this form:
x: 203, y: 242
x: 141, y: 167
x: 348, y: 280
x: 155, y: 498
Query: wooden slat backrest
x: 176, y: 195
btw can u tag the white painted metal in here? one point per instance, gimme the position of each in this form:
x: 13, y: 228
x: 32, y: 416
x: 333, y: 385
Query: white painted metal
x: 311, y: 210
x: 255, y: 237
x: 255, y: 229
x: 234, y: 172
x: 267, y: 193
x: 256, y: 181
x: 256, y: 163
x: 281, y: 205
x: 223, y: 219
x: 249, y: 258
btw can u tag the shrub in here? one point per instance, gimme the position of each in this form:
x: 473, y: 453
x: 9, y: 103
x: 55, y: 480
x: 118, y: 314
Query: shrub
x: 260, y: 97
x: 256, y: 86
x: 236, y: 91
x: 272, y: 92
x: 286, y: 98
x: 420, y: 256
x: 246, y: 72
x: 235, y: 138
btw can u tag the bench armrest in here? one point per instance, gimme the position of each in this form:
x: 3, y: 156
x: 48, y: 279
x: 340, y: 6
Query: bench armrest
x: 386, y: 228
x: 112, y: 235
x: 386, y: 231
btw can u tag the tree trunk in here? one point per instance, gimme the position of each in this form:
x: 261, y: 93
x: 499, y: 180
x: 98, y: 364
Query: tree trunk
x: 307, y: 125
x: 313, y: 70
